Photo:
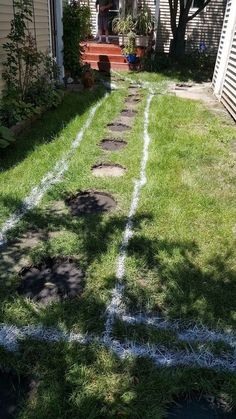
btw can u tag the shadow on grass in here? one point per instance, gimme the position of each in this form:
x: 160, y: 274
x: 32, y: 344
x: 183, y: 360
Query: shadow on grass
x: 93, y: 234
x: 49, y: 126
x: 90, y: 382
x: 193, y: 67
x: 185, y: 288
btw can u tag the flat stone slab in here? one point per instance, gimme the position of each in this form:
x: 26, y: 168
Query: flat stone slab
x: 132, y: 101
x: 129, y: 113
x: 55, y: 279
x: 108, y: 170
x: 14, y: 257
x: 112, y: 145
x: 90, y: 202
x: 13, y: 390
x: 118, y: 127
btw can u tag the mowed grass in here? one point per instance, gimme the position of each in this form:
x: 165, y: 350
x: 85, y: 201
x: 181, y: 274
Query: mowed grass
x: 93, y: 240
x: 180, y: 259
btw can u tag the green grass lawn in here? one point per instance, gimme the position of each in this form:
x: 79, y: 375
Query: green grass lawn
x: 181, y: 258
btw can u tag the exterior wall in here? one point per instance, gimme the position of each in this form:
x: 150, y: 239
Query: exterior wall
x: 204, y: 27
x: 41, y: 26
x: 6, y: 14
x: 224, y: 79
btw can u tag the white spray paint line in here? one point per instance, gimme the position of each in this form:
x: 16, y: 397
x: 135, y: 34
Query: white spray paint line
x: 115, y: 305
x: 11, y: 336
x: 185, y: 331
x: 51, y: 178
x: 116, y: 308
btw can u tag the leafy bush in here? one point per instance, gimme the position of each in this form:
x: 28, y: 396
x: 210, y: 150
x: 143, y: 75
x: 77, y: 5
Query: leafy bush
x: 29, y: 74
x: 198, y: 66
x: 6, y: 137
x: 76, y: 27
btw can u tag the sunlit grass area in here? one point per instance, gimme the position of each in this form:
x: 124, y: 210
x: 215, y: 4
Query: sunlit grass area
x: 181, y: 258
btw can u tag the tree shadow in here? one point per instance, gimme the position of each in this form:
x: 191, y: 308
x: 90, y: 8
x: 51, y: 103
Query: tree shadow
x: 90, y: 381
x: 50, y: 125
x: 93, y: 235
x: 187, y: 290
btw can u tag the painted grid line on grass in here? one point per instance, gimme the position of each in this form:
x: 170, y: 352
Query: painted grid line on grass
x: 11, y: 336
x: 159, y: 354
x: 51, y: 178
x: 115, y: 305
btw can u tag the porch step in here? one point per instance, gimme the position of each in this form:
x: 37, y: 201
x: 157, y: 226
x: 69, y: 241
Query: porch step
x: 94, y: 48
x: 104, y: 57
x: 110, y: 58
x: 106, y: 66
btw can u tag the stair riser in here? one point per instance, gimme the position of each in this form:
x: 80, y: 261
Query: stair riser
x: 102, y: 49
x: 105, y: 67
x: 104, y: 58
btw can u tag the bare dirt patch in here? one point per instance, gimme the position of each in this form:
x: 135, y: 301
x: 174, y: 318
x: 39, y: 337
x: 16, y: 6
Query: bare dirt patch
x: 112, y: 170
x: 55, y: 279
x: 112, y: 145
x: 90, y: 202
x: 118, y: 127
x: 13, y: 390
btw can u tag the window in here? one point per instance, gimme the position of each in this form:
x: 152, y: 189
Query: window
x: 198, y: 3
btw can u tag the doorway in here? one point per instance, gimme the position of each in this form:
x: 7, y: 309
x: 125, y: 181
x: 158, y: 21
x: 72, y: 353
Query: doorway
x: 113, y: 13
x: 121, y: 8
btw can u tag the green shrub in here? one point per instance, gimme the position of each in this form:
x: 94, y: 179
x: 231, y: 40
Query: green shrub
x: 29, y: 74
x: 76, y: 28
x: 6, y: 137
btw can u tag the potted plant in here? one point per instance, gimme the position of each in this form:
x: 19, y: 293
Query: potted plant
x: 122, y: 26
x: 87, y: 76
x: 144, y: 26
x: 130, y: 48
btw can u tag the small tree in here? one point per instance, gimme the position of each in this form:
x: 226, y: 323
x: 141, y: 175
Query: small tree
x: 180, y: 16
x: 22, y: 57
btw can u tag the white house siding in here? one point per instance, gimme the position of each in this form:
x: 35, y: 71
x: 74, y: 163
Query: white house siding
x: 41, y: 25
x: 204, y: 27
x: 224, y: 79
x: 6, y: 13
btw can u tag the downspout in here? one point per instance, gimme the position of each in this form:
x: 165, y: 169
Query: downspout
x: 157, y: 17
x: 50, y: 27
x: 59, y: 37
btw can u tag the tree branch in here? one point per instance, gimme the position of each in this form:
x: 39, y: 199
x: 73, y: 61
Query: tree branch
x: 199, y: 10
x: 173, y: 14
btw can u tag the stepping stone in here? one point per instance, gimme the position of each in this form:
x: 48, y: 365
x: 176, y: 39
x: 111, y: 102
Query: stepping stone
x: 112, y: 145
x: 132, y: 101
x: 200, y: 408
x: 13, y: 256
x: 118, y: 127
x: 54, y: 280
x: 13, y: 390
x: 106, y: 170
x: 129, y: 113
x: 90, y: 202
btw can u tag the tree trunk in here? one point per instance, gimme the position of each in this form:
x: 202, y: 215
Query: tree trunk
x: 177, y: 48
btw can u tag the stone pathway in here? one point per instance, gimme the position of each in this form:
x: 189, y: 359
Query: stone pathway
x: 57, y: 279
